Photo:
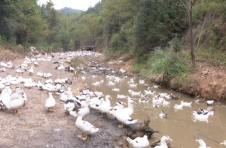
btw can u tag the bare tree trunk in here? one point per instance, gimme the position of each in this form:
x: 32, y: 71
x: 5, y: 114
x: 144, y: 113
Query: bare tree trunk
x: 191, y: 38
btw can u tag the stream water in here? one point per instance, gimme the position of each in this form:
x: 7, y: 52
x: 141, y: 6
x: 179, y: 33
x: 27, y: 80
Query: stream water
x: 179, y: 125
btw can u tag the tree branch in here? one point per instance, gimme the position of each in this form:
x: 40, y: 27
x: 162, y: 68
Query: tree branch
x: 184, y: 4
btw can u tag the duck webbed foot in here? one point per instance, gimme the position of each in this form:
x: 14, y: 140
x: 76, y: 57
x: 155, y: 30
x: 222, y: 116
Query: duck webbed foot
x: 85, y: 138
x: 103, y: 115
x: 16, y: 112
x: 121, y: 125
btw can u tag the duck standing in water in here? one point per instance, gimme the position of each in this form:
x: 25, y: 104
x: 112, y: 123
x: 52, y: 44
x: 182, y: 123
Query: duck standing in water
x: 162, y: 114
x: 139, y: 142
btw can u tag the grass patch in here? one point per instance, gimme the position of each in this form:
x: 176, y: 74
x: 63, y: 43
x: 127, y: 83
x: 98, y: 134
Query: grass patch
x: 162, y: 62
x: 212, y: 56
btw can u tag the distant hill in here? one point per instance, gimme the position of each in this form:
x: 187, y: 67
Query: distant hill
x: 69, y: 11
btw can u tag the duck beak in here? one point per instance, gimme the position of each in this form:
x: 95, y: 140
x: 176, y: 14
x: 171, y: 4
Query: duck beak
x: 170, y: 139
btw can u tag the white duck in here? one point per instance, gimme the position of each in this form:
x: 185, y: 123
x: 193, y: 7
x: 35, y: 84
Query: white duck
x: 202, y: 143
x: 115, y: 89
x: 83, y: 111
x: 164, y: 140
x: 50, y: 102
x: 123, y: 118
x: 85, y: 127
x: 15, y: 104
x: 200, y: 116
x: 121, y: 96
x: 210, y: 102
x: 104, y: 107
x: 39, y: 74
x: 223, y: 143
x: 162, y: 114
x: 19, y: 71
x: 139, y: 142
x: 2, y: 85
x: 188, y: 104
x: 129, y: 110
x: 178, y: 107
x: 31, y: 70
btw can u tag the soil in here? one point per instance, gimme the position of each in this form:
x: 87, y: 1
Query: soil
x: 37, y: 127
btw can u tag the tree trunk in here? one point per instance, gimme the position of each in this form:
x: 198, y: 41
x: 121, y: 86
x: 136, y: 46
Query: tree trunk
x: 191, y: 37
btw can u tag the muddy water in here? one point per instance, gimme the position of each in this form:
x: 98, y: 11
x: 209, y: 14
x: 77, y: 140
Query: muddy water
x: 179, y: 125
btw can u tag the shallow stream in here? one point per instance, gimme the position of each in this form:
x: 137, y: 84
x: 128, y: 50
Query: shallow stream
x: 179, y: 125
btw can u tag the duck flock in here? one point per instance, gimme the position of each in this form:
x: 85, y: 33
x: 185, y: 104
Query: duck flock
x: 87, y: 100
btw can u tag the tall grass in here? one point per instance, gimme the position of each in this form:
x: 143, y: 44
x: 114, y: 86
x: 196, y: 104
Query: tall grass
x: 163, y: 62
x: 212, y: 56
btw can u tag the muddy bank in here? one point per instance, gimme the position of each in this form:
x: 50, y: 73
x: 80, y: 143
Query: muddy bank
x: 206, y: 82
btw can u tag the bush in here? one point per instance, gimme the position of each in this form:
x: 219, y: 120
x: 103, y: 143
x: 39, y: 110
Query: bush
x: 163, y: 62
x: 212, y: 56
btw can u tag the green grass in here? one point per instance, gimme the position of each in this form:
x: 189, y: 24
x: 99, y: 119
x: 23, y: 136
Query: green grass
x: 212, y: 56
x: 162, y: 62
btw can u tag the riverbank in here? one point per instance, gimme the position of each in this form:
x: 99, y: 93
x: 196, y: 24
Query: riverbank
x: 206, y: 82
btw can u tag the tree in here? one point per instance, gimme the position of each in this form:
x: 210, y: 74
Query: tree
x: 189, y: 4
x: 26, y: 21
x: 92, y: 27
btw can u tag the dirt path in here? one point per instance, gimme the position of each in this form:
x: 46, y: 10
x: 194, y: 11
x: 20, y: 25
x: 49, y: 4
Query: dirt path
x: 36, y: 127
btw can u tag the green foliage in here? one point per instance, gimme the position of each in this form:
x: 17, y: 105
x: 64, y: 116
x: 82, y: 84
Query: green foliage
x: 2, y: 40
x: 164, y: 63
x: 176, y: 45
x: 212, y: 56
x: 137, y: 68
x: 159, y: 21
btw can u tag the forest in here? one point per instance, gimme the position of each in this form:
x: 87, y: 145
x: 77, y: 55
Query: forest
x: 153, y: 32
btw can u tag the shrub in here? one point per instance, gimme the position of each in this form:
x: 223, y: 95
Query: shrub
x: 163, y: 62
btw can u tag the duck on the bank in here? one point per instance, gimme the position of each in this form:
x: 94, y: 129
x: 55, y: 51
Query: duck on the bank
x: 2, y: 85
x: 30, y: 71
x: 50, y: 102
x: 85, y: 127
x: 188, y: 104
x: 123, y: 118
x: 83, y: 111
x: 16, y: 103
x: 139, y: 142
x: 162, y: 114
x: 210, y: 102
x: 3, y: 70
x: 164, y: 140
x: 104, y: 107
x: 202, y: 143
x: 39, y: 74
x: 130, y: 109
x: 19, y: 71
